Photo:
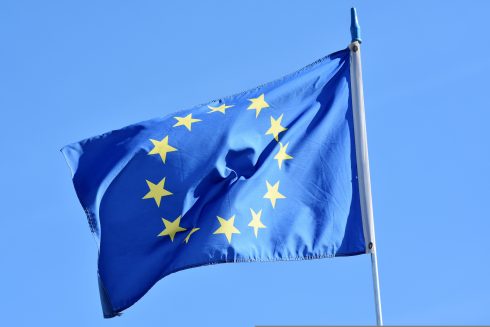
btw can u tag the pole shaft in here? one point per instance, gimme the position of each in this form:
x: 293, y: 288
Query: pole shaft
x: 377, y: 295
x: 363, y: 173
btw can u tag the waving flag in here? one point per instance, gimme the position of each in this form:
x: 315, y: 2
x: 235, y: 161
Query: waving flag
x: 268, y: 174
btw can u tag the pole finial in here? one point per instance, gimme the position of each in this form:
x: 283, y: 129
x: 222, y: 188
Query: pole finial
x: 355, y: 29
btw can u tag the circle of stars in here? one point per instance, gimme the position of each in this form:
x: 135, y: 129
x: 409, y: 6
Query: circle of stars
x: 157, y: 191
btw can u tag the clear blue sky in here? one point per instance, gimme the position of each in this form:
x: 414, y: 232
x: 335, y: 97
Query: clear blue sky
x: 70, y: 70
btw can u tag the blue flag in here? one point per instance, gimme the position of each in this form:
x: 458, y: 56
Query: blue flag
x: 268, y: 174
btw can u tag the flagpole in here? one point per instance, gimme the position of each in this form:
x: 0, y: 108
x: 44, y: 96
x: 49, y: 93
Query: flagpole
x: 364, y: 178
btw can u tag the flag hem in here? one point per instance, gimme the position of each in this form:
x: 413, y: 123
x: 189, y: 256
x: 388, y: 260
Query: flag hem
x: 118, y: 311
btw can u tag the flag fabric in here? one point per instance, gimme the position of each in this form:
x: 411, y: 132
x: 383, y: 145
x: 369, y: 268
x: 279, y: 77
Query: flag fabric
x: 268, y: 174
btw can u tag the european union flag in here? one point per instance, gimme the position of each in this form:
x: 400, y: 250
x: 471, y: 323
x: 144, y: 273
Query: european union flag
x: 268, y: 174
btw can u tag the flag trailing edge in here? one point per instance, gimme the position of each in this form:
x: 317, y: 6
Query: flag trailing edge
x: 268, y: 174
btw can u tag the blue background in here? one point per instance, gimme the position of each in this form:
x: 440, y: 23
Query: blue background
x: 69, y: 70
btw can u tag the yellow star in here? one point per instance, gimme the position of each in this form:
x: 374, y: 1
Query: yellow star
x: 273, y: 193
x: 256, y: 223
x: 190, y: 233
x: 276, y: 127
x: 282, y: 155
x: 258, y: 104
x: 227, y: 227
x: 221, y: 108
x: 157, y: 191
x: 172, y: 228
x: 162, y: 148
x: 186, y: 121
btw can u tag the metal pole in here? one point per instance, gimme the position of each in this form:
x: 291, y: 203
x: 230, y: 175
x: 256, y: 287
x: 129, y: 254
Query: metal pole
x: 377, y: 295
x: 364, y: 178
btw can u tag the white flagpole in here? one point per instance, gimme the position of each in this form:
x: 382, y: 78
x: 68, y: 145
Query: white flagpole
x: 364, y: 178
